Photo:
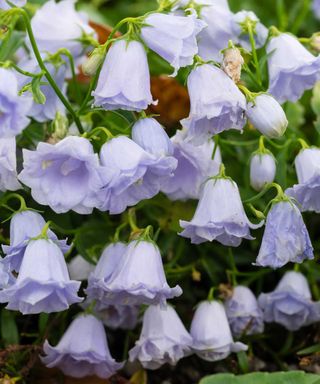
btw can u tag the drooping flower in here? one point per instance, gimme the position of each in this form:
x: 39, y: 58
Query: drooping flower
x: 79, y: 268
x: 43, y: 283
x: 243, y: 312
x: 139, y: 278
x: 163, y: 338
x: 24, y: 226
x: 292, y: 68
x: 118, y: 316
x: 18, y: 3
x: 267, y: 116
x: 212, y: 338
x: 13, y: 108
x: 6, y: 277
x: 316, y: 8
x: 52, y: 105
x: 8, y: 165
x: 217, y: 104
x: 126, y: 180
x: 259, y: 30
x: 290, y: 304
x: 120, y: 87
x: 64, y: 175
x: 82, y: 351
x: 195, y: 165
x: 58, y: 25
x: 215, y: 37
x: 307, y: 191
x: 219, y: 215
x: 173, y: 37
x: 262, y: 170
x: 286, y: 238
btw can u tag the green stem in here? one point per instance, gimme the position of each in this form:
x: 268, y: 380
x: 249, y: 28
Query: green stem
x: 264, y: 191
x: 234, y: 269
x: 301, y: 16
x: 282, y: 16
x: 303, y: 143
x: 19, y: 70
x: 23, y: 205
x: 254, y: 53
x: 211, y: 294
x: 47, y: 74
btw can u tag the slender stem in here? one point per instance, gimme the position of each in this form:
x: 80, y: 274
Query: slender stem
x: 264, y: 191
x: 47, y: 73
x: 19, y: 70
x: 301, y: 16
x: 234, y: 269
x: 282, y: 16
x: 254, y: 53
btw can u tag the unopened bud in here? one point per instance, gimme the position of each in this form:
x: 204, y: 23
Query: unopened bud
x: 60, y: 126
x: 91, y: 65
x: 315, y: 42
x: 232, y: 63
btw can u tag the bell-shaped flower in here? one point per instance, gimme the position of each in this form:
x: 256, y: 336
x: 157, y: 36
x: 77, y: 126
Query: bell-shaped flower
x: 195, y: 165
x: 292, y: 68
x: 118, y: 316
x: 260, y: 32
x: 212, y: 338
x: 17, y: 3
x: 126, y: 180
x: 217, y: 104
x: 52, y: 105
x: 243, y: 312
x: 172, y: 37
x: 316, y: 8
x: 139, y: 278
x: 58, y: 25
x: 79, y: 268
x: 267, y: 116
x: 8, y: 165
x: 111, y: 256
x: 24, y: 226
x: 307, y: 191
x: 120, y: 87
x: 262, y: 170
x: 43, y: 283
x: 163, y: 338
x: 82, y: 351
x: 219, y: 215
x: 6, y: 277
x: 286, y: 238
x: 290, y: 304
x: 215, y: 37
x: 64, y: 175
x: 13, y: 108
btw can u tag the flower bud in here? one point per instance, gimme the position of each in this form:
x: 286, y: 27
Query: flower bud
x: 93, y: 62
x: 232, y: 63
x: 262, y: 170
x: 267, y: 115
x: 315, y: 42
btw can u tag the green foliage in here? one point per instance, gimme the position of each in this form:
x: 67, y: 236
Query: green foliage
x: 9, y: 330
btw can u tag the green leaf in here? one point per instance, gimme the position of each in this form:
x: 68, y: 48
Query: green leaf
x: 9, y: 330
x: 308, y: 351
x: 294, y: 377
x: 315, y: 100
x: 38, y: 95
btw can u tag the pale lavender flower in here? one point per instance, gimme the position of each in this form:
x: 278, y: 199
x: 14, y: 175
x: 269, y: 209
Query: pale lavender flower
x: 119, y: 86
x: 13, y: 108
x: 118, y: 316
x: 139, y: 278
x: 307, y: 191
x: 173, y: 37
x: 262, y: 170
x: 8, y: 165
x: 58, y: 25
x: 243, y: 312
x: 212, y: 338
x: 219, y: 215
x: 126, y: 180
x: 267, y: 116
x: 64, y: 175
x: 195, y: 165
x: 163, y: 339
x: 6, y: 277
x: 43, y: 283
x: 316, y: 8
x: 260, y: 31
x: 217, y: 104
x: 292, y: 68
x: 52, y: 105
x: 290, y: 304
x: 18, y: 3
x: 286, y: 238
x: 79, y: 268
x: 24, y: 226
x: 215, y: 37
x: 82, y: 351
